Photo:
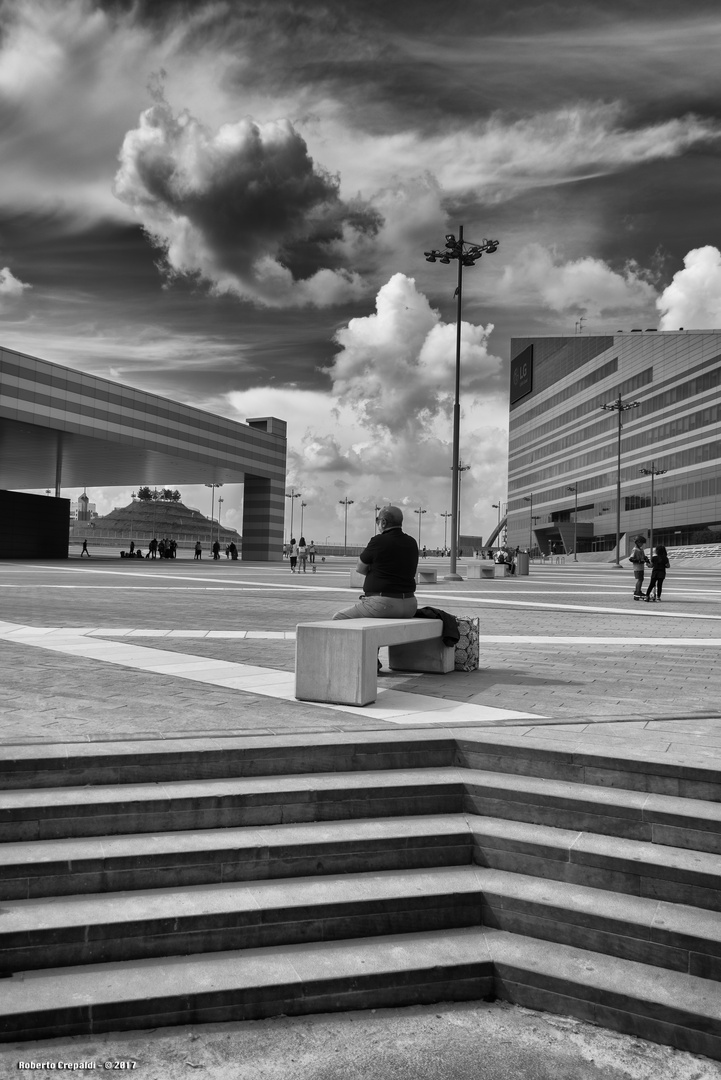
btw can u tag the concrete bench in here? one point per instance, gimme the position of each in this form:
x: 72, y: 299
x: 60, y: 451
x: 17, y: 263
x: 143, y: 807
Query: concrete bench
x: 501, y: 570
x: 427, y: 576
x: 336, y: 660
x: 481, y: 570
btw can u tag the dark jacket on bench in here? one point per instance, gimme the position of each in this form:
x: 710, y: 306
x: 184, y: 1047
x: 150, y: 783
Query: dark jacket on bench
x: 451, y: 633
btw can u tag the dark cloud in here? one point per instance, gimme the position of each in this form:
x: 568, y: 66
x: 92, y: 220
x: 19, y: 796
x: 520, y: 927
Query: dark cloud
x: 245, y: 207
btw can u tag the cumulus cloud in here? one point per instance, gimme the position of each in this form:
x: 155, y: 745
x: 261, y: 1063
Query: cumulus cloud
x: 538, y: 275
x: 9, y: 284
x: 395, y: 368
x: 244, y: 207
x: 693, y: 299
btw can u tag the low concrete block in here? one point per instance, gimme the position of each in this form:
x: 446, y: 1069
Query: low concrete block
x: 481, y: 570
x: 427, y: 577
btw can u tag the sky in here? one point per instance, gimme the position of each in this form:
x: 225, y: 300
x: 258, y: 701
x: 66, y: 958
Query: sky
x: 227, y: 203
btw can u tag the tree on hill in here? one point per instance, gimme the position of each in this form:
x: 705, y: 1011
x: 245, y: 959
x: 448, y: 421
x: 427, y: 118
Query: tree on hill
x: 145, y: 494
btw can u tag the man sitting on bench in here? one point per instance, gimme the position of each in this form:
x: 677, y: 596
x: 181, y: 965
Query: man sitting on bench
x: 389, y: 565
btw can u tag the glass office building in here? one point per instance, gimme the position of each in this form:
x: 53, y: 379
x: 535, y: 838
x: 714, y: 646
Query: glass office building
x: 561, y: 438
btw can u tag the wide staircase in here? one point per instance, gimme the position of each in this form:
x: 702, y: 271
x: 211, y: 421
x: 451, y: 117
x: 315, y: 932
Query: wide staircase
x: 149, y: 884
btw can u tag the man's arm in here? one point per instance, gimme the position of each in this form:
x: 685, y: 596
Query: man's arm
x: 362, y: 568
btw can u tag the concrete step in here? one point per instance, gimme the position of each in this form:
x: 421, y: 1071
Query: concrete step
x: 468, y: 964
x: 40, y: 814
x: 561, y: 756
x: 633, y: 867
x: 94, y: 929
x: 71, y: 930
x: 214, y: 856
x: 46, y: 813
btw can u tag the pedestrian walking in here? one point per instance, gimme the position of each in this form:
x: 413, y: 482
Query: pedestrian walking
x: 302, y: 554
x: 198, y: 551
x: 132, y: 549
x: 84, y: 549
x: 311, y: 552
x: 659, y: 566
x: 216, y: 550
x: 293, y: 554
x: 639, y: 561
x: 153, y: 548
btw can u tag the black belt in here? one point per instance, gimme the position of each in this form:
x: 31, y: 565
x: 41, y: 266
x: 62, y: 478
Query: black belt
x: 393, y: 595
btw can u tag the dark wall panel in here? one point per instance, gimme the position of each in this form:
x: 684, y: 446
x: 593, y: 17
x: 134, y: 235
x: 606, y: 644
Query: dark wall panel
x: 33, y: 526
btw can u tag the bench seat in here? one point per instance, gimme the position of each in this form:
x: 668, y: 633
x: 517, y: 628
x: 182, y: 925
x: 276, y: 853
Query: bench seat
x: 427, y: 576
x: 336, y: 660
x: 480, y: 570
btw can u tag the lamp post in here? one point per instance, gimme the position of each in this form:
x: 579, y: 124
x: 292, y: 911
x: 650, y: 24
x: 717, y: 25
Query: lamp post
x: 461, y: 469
x: 653, y: 472
x: 302, y: 508
x: 529, y: 499
x: 445, y: 517
x: 376, y: 509
x: 293, y: 495
x: 220, y: 506
x: 346, y: 503
x: 213, y: 486
x: 620, y: 406
x: 574, y: 489
x: 466, y: 254
x: 420, y: 511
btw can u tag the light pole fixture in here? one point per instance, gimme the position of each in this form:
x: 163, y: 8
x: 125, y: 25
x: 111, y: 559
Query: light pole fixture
x: 212, y: 507
x: 529, y: 499
x: 574, y: 489
x: 346, y: 503
x: 293, y: 495
x: 653, y: 472
x: 620, y: 406
x: 445, y: 517
x: 466, y: 254
x: 461, y: 469
x: 302, y: 508
x: 420, y: 511
x: 220, y: 506
x: 376, y: 510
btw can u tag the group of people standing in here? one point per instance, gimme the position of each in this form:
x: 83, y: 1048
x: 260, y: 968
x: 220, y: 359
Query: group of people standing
x: 659, y: 565
x: 300, y: 554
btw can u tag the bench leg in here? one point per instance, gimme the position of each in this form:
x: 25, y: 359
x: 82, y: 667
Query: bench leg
x: 430, y: 656
x: 336, y: 669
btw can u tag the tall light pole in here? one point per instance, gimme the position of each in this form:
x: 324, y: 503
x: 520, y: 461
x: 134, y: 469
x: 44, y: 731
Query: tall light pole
x: 445, y: 517
x: 574, y: 489
x: 220, y: 507
x: 212, y: 507
x: 293, y: 495
x: 376, y: 510
x: 653, y: 472
x: 620, y: 406
x: 346, y: 503
x: 461, y: 469
x: 420, y: 511
x: 529, y: 499
x: 466, y: 254
x: 302, y: 508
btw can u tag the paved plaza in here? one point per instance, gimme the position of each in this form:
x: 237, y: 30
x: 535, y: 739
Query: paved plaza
x: 106, y: 649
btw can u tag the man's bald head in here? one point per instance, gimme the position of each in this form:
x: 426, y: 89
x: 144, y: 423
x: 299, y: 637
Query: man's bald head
x: 390, y: 517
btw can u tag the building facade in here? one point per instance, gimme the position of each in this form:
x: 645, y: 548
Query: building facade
x: 561, y: 438
x: 65, y: 428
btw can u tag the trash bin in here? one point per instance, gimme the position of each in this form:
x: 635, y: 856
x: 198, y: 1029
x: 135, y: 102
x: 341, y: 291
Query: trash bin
x: 522, y: 560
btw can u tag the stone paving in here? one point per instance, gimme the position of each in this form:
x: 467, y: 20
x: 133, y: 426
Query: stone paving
x: 566, y: 645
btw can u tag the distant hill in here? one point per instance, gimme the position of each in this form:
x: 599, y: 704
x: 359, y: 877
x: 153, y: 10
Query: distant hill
x: 142, y: 520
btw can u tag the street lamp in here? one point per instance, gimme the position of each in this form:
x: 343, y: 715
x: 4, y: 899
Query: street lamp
x: 212, y: 507
x: 529, y: 498
x: 574, y: 489
x: 620, y: 406
x: 466, y: 254
x: 293, y: 495
x: 376, y: 510
x: 220, y: 506
x: 445, y: 517
x: 653, y: 472
x: 346, y: 503
x: 302, y: 508
x: 461, y: 469
x: 420, y: 511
